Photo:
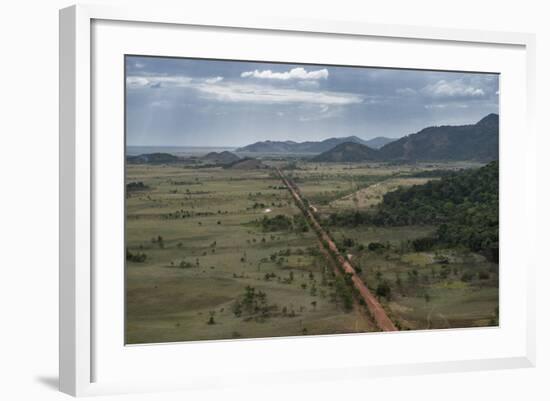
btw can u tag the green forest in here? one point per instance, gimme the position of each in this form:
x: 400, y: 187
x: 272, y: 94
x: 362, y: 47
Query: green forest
x: 463, y: 205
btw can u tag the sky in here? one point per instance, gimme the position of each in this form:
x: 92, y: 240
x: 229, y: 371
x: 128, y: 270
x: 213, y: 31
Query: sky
x: 197, y: 102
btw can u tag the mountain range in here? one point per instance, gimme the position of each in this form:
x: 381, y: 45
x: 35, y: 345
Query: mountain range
x: 378, y: 142
x: 153, y: 158
x: 221, y: 158
x: 348, y: 152
x: 310, y: 146
x: 476, y: 142
x: 224, y: 157
x: 460, y: 142
x: 247, y: 163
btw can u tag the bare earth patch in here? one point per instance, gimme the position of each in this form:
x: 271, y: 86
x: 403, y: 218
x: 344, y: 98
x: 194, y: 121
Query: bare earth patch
x: 373, y: 194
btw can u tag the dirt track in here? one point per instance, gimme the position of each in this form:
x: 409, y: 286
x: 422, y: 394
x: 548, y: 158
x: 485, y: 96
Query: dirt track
x: 380, y: 317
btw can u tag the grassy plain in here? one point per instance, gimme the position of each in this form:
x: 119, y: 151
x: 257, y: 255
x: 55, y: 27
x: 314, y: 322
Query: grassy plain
x: 211, y: 249
x: 441, y: 289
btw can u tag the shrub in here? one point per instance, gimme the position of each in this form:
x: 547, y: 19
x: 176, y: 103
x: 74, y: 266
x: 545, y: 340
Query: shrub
x: 483, y: 275
x: 278, y: 223
x: 384, y: 290
x: 376, y: 246
x: 185, y: 265
x: 138, y: 257
x: 467, y: 276
x: 423, y: 244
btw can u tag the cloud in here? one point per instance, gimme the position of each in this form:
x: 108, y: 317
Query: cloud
x: 134, y: 82
x: 405, y: 91
x: 445, y: 106
x: 435, y: 106
x: 308, y: 84
x: 222, y: 91
x: 213, y: 80
x: 452, y: 89
x: 320, y: 112
x: 295, y: 73
x: 270, y: 95
x: 161, y: 103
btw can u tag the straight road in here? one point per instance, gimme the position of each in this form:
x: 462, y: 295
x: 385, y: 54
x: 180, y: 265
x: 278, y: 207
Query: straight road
x: 378, y: 313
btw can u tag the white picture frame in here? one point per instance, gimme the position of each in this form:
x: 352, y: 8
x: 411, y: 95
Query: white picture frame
x: 82, y: 344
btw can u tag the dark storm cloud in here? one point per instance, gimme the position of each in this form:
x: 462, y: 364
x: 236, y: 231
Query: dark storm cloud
x: 188, y: 102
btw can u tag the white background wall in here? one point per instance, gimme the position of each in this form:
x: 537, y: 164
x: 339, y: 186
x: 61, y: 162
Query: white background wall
x: 29, y: 196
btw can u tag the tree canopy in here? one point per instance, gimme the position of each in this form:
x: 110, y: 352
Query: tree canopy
x: 464, y: 205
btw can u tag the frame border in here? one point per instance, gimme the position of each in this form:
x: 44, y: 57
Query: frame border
x: 76, y: 372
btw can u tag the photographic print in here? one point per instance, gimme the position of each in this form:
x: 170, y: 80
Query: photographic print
x: 276, y: 199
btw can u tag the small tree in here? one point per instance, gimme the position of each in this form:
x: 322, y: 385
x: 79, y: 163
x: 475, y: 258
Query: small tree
x: 211, y: 320
x: 398, y: 281
x: 384, y: 290
x: 313, y: 290
x: 237, y: 309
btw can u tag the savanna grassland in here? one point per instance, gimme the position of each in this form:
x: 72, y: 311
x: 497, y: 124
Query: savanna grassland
x: 217, y: 253
x: 221, y: 253
x: 442, y: 285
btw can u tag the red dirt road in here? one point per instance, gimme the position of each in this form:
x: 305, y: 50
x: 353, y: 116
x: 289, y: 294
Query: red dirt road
x: 379, y: 314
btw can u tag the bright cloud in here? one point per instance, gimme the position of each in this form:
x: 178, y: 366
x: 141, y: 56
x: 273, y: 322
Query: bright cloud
x: 308, y: 84
x: 236, y: 92
x: 405, y: 91
x: 320, y: 112
x: 295, y: 73
x: 156, y: 81
x: 270, y: 95
x: 214, y: 80
x: 446, y: 106
x: 435, y: 106
x: 452, y: 89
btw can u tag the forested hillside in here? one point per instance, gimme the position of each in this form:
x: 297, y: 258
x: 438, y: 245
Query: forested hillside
x: 348, y: 152
x: 461, y: 142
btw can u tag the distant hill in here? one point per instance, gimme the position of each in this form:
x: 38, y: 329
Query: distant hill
x: 268, y: 147
x: 477, y: 142
x: 348, y: 152
x: 298, y: 147
x: 378, y: 142
x: 224, y: 157
x: 153, y: 158
x: 461, y: 142
x: 246, y: 164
